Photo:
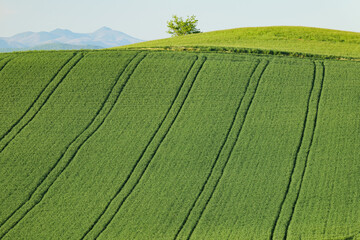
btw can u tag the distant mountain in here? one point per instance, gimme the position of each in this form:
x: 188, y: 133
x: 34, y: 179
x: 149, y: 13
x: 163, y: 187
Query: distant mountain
x: 51, y: 46
x: 65, y: 39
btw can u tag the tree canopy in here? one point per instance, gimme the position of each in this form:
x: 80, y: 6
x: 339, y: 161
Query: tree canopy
x: 177, y: 26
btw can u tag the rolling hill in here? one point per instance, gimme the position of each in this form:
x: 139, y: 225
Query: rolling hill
x: 138, y: 144
x: 300, y: 40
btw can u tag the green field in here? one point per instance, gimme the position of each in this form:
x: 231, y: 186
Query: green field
x: 274, y: 40
x: 135, y: 144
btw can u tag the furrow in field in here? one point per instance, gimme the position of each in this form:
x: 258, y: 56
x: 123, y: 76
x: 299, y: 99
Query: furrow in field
x: 104, y: 161
x: 353, y: 236
x: 73, y: 147
x: 181, y: 165
x: 222, y: 169
x: 247, y: 197
x: 67, y: 112
x: 318, y: 98
x: 141, y: 155
x: 356, y: 235
x: 175, y: 109
x: 230, y: 129
x: 327, y: 215
x: 3, y: 64
x: 22, y: 80
x: 39, y: 102
x: 300, y: 158
x: 44, y: 92
x: 295, y: 161
x: 327, y: 205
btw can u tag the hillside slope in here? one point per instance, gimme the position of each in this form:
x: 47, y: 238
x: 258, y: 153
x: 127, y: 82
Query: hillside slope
x: 161, y: 145
x: 304, y: 40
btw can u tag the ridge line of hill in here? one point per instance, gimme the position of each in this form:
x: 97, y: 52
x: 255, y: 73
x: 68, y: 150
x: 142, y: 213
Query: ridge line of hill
x: 219, y: 50
x: 277, y: 40
x: 232, y: 50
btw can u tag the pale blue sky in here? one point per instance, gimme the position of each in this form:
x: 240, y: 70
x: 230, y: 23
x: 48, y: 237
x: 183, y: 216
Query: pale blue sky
x: 146, y: 19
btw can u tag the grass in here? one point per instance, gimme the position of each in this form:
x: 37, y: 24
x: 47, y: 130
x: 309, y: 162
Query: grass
x: 296, y: 41
x: 14, y: 82
x: 75, y: 112
x: 178, y: 145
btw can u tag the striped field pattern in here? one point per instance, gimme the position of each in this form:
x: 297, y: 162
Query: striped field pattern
x: 169, y: 145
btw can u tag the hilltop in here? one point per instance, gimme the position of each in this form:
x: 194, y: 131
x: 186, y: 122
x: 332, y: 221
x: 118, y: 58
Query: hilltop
x: 303, y: 40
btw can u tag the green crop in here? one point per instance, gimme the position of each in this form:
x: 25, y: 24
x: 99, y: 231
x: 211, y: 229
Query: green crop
x: 22, y: 86
x: 178, y: 145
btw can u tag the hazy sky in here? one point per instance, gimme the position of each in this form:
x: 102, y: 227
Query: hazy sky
x: 146, y: 19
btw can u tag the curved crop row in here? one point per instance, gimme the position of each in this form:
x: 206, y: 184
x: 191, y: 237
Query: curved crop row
x: 145, y: 149
x: 60, y: 127
x: 170, y: 145
x: 47, y: 181
x: 22, y: 72
x: 301, y: 155
x: 236, y: 126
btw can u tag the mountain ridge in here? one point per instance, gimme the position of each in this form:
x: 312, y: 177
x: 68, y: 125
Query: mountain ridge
x: 104, y: 37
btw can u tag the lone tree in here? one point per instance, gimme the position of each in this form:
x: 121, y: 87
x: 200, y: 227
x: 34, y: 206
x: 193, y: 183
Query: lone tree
x: 178, y: 27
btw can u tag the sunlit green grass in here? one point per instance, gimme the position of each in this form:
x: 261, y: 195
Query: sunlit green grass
x: 290, y: 39
x: 177, y: 145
